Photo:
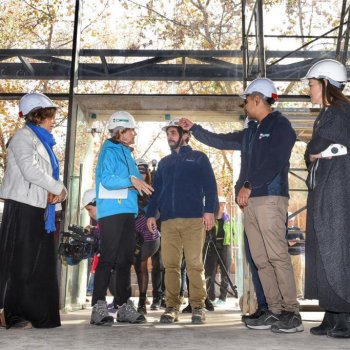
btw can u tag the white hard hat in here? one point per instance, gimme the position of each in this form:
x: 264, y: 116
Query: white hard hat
x: 174, y: 122
x: 264, y: 86
x: 89, y: 196
x: 140, y: 161
x: 222, y: 199
x: 33, y: 101
x: 332, y: 70
x: 121, y: 120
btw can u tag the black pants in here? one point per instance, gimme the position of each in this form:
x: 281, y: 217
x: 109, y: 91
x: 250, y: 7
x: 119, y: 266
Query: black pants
x: 117, y: 246
x: 211, y: 266
x: 157, y: 276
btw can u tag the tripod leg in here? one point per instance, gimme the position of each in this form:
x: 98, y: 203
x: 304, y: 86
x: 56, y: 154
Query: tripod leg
x: 224, y: 270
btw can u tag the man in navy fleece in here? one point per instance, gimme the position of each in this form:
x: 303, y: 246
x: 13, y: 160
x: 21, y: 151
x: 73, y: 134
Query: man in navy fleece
x: 262, y: 193
x: 185, y: 195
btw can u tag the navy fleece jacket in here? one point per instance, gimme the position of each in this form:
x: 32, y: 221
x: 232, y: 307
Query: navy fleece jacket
x: 184, y: 186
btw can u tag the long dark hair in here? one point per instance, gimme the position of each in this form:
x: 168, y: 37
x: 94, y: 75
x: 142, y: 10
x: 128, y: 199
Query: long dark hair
x: 332, y: 94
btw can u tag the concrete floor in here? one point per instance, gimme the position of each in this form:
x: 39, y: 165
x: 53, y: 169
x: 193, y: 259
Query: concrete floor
x: 223, y: 330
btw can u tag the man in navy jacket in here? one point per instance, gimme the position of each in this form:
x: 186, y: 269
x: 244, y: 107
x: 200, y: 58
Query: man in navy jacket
x: 262, y: 193
x: 185, y: 194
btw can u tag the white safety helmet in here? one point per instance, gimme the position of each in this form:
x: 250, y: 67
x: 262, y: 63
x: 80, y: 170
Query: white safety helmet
x: 121, y: 120
x: 140, y: 161
x: 264, y: 86
x: 174, y: 122
x: 89, y: 196
x: 33, y: 101
x: 332, y: 70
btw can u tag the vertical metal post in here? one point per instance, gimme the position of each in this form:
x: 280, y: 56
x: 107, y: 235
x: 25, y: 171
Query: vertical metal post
x: 346, y: 41
x: 244, y: 47
x: 73, y: 84
x: 70, y: 135
x: 259, y: 25
x: 340, y: 31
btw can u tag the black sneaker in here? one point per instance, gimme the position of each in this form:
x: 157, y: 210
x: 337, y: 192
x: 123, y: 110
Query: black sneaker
x: 209, y: 305
x: 141, y: 309
x: 289, y: 322
x: 155, y: 304
x: 163, y: 303
x: 187, y: 309
x: 265, y: 321
x: 256, y: 314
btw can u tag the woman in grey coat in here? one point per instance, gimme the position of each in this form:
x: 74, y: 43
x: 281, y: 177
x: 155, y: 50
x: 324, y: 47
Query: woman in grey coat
x: 327, y: 271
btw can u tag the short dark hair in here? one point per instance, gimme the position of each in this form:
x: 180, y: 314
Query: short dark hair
x: 39, y: 115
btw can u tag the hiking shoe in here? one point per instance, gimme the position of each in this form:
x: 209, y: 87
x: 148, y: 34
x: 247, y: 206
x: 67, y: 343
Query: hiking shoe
x: 155, y: 304
x: 209, y: 305
x: 198, y: 315
x: 265, y: 321
x: 100, y: 315
x: 256, y: 314
x: 170, y: 315
x: 289, y: 322
x: 187, y: 309
x: 128, y: 313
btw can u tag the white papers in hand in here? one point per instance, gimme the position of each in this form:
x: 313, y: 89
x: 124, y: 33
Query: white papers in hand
x: 103, y: 193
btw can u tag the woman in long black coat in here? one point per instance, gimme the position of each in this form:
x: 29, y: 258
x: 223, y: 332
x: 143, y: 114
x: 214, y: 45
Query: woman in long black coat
x: 327, y: 275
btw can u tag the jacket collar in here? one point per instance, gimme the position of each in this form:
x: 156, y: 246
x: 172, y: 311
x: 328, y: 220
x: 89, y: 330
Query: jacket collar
x: 40, y: 147
x: 183, y: 150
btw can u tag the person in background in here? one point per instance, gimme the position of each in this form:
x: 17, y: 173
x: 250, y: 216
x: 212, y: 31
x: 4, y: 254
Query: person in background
x: 149, y: 242
x: 327, y: 246
x: 296, y: 250
x: 31, y: 188
x: 118, y: 182
x: 89, y: 203
x: 223, y: 240
x: 183, y: 179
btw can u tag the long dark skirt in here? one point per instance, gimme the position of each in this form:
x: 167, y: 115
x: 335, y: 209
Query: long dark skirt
x: 316, y: 281
x: 28, y: 280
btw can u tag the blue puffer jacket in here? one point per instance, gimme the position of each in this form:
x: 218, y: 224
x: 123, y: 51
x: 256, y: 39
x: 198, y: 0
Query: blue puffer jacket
x: 114, y: 167
x: 181, y: 183
x: 265, y: 153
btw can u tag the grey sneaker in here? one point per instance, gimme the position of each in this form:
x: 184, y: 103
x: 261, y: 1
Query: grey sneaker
x: 170, y: 315
x: 265, y: 321
x: 100, y: 315
x: 289, y: 322
x: 128, y: 313
x: 198, y: 315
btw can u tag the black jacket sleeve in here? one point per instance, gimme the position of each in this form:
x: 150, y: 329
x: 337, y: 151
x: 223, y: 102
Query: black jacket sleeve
x: 229, y: 141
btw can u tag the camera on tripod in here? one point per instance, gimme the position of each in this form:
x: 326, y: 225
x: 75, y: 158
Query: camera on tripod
x: 77, y: 244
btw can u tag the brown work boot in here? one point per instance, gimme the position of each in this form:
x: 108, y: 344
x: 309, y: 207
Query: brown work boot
x: 170, y: 315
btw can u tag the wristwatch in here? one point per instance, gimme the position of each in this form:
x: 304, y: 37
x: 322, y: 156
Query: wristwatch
x: 247, y: 185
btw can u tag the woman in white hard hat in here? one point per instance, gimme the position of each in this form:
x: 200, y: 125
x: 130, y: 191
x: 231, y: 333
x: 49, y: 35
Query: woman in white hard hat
x: 118, y: 183
x: 328, y: 223
x: 30, y: 187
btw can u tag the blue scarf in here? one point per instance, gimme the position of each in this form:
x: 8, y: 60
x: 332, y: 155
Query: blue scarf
x: 48, y: 141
